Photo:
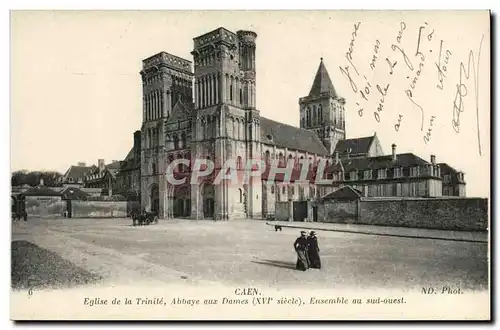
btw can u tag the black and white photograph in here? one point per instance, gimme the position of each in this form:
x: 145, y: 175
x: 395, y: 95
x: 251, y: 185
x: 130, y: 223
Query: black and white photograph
x: 250, y: 165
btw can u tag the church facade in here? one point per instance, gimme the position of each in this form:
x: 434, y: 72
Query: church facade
x: 210, y: 113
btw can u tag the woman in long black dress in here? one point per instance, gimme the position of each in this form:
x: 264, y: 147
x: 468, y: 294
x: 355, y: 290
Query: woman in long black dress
x: 313, y: 251
x: 300, y: 246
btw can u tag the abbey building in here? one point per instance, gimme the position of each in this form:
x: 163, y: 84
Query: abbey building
x: 211, y: 113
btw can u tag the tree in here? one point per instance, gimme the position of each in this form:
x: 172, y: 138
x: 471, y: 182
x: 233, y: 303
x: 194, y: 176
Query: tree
x: 50, y: 178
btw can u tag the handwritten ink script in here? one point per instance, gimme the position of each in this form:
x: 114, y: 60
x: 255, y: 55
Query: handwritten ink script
x: 399, y: 67
x: 463, y: 91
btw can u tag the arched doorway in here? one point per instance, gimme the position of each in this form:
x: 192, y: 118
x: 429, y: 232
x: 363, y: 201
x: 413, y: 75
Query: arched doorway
x: 155, y: 198
x: 181, y: 202
x: 208, y: 200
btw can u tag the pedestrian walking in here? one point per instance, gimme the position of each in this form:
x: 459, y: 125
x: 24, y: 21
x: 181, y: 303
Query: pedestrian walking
x: 313, y: 251
x: 300, y: 247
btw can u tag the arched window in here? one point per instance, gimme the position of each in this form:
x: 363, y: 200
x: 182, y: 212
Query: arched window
x: 170, y: 159
x: 153, y: 168
x: 184, y: 140
x: 239, y: 163
x: 181, y: 165
x: 267, y: 157
x: 283, y: 190
x: 241, y: 130
x: 176, y: 141
x: 241, y: 195
x: 314, y: 115
x: 272, y: 189
x: 312, y: 192
x: 281, y: 159
x: 299, y: 164
x: 302, y: 122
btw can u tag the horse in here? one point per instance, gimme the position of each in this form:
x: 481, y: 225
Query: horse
x: 16, y: 216
x: 144, y: 219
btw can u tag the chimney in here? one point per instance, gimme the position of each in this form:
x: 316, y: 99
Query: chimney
x: 433, y: 159
x: 81, y: 164
x: 100, y: 164
x: 393, y: 152
x: 336, y: 157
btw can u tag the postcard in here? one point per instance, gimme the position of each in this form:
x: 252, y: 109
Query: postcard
x: 250, y: 165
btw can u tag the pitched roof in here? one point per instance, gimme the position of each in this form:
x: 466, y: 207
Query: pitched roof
x: 344, y: 193
x: 77, y: 172
x: 445, y: 169
x: 322, y: 82
x: 130, y: 155
x: 355, y: 146
x: 455, y: 177
x: 287, y: 136
x: 379, y: 162
x: 113, y: 166
x: 74, y: 193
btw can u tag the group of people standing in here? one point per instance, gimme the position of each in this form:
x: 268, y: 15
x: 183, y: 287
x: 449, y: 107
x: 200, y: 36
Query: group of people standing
x: 307, y: 249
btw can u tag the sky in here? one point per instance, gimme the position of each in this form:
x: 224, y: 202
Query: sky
x: 76, y: 88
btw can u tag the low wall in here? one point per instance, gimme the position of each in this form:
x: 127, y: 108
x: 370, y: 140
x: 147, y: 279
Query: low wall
x: 470, y: 214
x: 467, y: 214
x: 282, y: 210
x: 338, y: 211
x: 45, y: 206
x: 98, y: 209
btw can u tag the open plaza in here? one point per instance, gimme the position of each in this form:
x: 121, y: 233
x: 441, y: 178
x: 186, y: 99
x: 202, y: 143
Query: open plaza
x: 62, y: 253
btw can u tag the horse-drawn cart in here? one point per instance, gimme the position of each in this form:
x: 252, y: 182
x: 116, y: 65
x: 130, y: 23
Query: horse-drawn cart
x: 144, y: 218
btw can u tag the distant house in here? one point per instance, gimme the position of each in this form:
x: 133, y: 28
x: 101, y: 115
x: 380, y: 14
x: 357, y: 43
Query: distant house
x: 453, y: 181
x: 368, y: 146
x: 76, y: 174
x: 73, y: 193
x: 128, y: 179
x: 103, y: 176
x: 403, y: 175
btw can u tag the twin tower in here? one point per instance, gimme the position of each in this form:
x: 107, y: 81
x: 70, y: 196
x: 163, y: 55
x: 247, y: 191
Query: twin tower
x: 216, y: 118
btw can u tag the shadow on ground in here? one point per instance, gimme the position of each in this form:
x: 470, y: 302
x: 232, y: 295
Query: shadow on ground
x: 275, y: 263
x: 34, y: 267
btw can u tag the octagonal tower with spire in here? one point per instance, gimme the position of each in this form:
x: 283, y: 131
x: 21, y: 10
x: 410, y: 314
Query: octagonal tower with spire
x: 322, y: 111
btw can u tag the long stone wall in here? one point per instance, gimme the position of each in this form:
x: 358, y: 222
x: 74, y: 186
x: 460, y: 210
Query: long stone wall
x: 98, y: 209
x: 468, y: 214
x: 45, y: 206
x: 282, y: 210
x: 450, y: 213
x: 338, y: 211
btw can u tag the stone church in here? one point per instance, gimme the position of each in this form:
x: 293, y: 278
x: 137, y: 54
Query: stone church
x: 212, y: 114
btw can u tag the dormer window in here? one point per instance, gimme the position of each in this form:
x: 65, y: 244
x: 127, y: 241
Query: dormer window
x: 367, y: 175
x: 414, y: 171
x: 398, y: 172
x: 382, y: 173
x: 353, y: 175
x: 269, y: 137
